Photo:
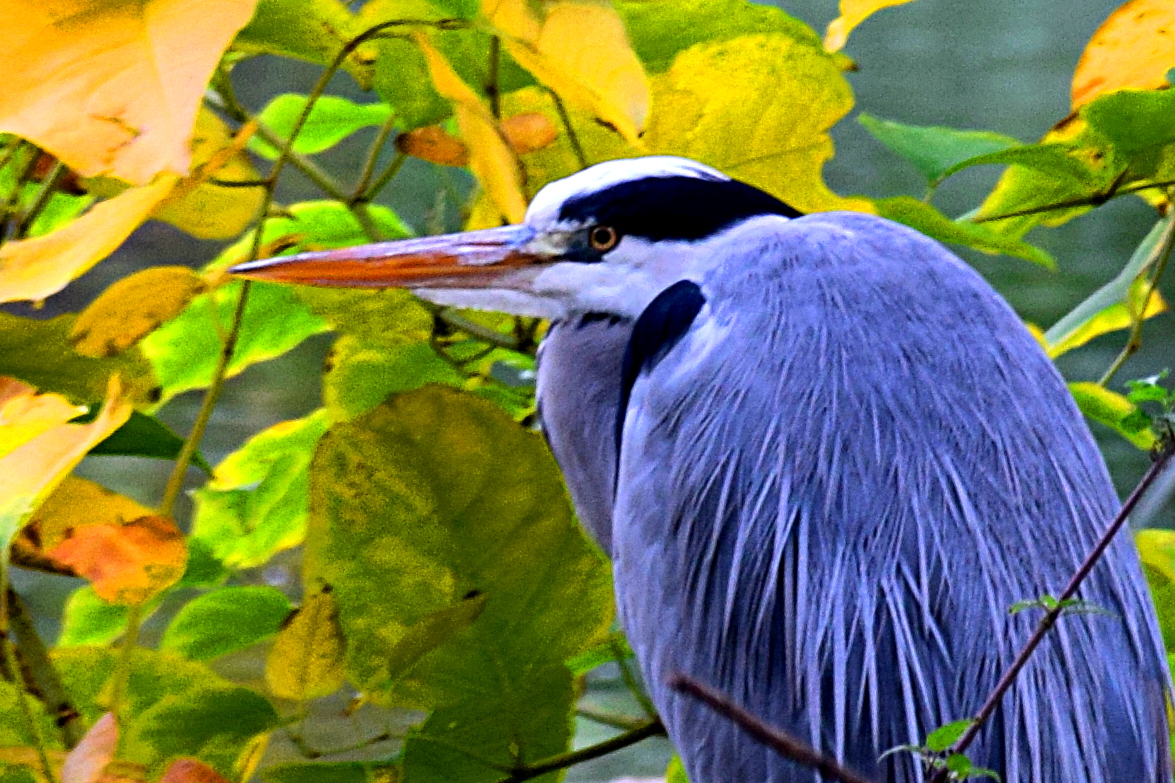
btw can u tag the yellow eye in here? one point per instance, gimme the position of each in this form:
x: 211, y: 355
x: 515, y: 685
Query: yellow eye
x: 603, y: 238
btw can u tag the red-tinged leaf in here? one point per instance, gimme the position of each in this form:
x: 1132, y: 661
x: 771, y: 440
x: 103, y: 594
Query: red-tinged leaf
x: 85, y: 763
x: 529, y: 131
x: 434, y: 144
x: 127, y: 564
x: 191, y: 771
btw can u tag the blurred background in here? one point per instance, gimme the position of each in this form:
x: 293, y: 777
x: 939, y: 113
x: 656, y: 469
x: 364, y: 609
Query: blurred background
x: 1001, y: 65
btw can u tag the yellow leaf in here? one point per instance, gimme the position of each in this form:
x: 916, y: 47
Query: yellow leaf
x: 24, y: 414
x: 78, y: 502
x: 579, y: 49
x: 29, y: 472
x: 30, y: 759
x: 852, y: 13
x: 1117, y: 316
x: 490, y: 157
x: 1113, y: 410
x: 1134, y: 48
x: 132, y: 308
x: 126, y: 564
x: 201, y: 207
x: 758, y: 108
x: 40, y: 267
x: 112, y: 87
x: 306, y: 660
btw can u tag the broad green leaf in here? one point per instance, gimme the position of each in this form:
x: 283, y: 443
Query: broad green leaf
x: 256, y: 503
x: 184, y: 351
x: 605, y: 652
x: 934, y: 150
x: 14, y: 730
x: 789, y: 93
x: 944, y: 736
x: 363, y: 374
x: 388, y: 316
x: 1133, y: 48
x: 1156, y: 549
x: 1114, y: 411
x: 1052, y: 160
x: 1150, y: 389
x: 88, y: 620
x: 434, y: 494
x: 660, y: 31
x: 311, y: 30
x: 146, y: 436
x: 40, y: 353
x: 852, y: 13
x: 925, y: 218
x: 428, y: 634
x: 225, y: 620
x: 331, y: 120
x: 580, y: 50
x: 530, y: 720
x: 306, y: 660
x: 1108, y: 302
x: 132, y: 308
x: 331, y: 772
x: 1133, y: 121
x: 173, y: 707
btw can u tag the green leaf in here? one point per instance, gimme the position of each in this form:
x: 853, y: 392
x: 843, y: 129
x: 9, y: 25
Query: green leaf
x: 1053, y: 160
x: 146, y: 436
x: 925, y: 218
x: 675, y: 772
x: 185, y: 350
x: 362, y: 375
x: 305, y: 661
x: 90, y: 620
x: 173, y: 707
x: 1113, y: 410
x: 256, y: 504
x: 331, y: 772
x: 1133, y: 121
x: 331, y: 120
x: 602, y: 653
x: 203, y: 570
x: 383, y: 316
x: 960, y: 765
x: 944, y: 736
x: 311, y: 30
x: 1104, y: 309
x: 13, y: 726
x: 434, y: 494
x: 225, y: 620
x: 660, y: 31
x: 429, y: 633
x: 934, y: 150
x: 1149, y: 389
x: 40, y: 353
x: 1156, y: 549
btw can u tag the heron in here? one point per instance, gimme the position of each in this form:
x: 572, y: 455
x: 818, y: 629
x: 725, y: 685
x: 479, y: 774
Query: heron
x: 826, y: 458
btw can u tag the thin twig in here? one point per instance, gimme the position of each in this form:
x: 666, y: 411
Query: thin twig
x: 565, y: 118
x: 383, y: 179
x: 622, y: 722
x: 44, y: 674
x: 493, y: 91
x: 44, y: 193
x: 1050, y: 617
x: 651, y: 728
x: 1158, y: 263
x: 629, y: 678
x: 781, y: 742
x: 368, y: 170
x: 1094, y: 200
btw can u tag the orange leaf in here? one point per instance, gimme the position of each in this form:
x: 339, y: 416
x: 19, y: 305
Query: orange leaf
x: 529, y: 131
x: 112, y: 87
x: 490, y: 156
x: 191, y: 771
x: 435, y: 145
x: 42, y: 266
x: 1134, y: 48
x: 127, y: 564
x: 852, y: 13
x: 31, y: 470
x: 85, y: 763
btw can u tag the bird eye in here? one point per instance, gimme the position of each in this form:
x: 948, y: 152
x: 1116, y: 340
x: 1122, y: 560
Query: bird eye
x: 603, y: 238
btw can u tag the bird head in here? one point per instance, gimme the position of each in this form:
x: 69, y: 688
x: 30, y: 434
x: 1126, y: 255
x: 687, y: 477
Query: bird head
x: 607, y: 239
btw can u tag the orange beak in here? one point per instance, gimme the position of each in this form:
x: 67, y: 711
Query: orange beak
x: 473, y: 259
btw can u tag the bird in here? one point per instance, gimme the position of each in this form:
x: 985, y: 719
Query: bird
x: 826, y: 458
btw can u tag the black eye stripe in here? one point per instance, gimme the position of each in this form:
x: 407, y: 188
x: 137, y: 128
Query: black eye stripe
x: 672, y: 207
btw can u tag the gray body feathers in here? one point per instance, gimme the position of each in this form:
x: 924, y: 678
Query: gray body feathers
x: 831, y: 490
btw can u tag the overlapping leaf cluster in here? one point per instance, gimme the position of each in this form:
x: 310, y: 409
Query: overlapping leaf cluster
x: 442, y: 569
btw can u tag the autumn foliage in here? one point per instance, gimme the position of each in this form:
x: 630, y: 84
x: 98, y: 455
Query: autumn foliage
x: 442, y: 569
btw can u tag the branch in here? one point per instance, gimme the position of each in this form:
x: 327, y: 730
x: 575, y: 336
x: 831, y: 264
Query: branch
x: 652, y: 728
x: 1050, y: 618
x: 44, y: 675
x: 781, y: 742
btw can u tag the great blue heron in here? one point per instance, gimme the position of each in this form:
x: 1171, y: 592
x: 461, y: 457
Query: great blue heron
x: 826, y: 458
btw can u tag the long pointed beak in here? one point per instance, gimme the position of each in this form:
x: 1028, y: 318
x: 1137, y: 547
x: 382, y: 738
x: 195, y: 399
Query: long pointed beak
x: 473, y: 259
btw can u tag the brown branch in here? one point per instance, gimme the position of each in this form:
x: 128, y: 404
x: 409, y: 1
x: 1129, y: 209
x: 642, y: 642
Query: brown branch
x: 45, y: 677
x: 781, y: 742
x: 651, y: 728
x: 1050, y: 618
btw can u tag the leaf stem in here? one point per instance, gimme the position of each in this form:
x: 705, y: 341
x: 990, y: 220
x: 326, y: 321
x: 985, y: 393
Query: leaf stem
x: 383, y: 179
x: 121, y: 676
x: 630, y: 682
x: 1157, y: 263
x: 1167, y: 449
x: 565, y: 118
x: 43, y: 672
x: 1095, y: 200
x: 371, y: 160
x: 648, y: 729
x: 493, y: 91
x: 781, y: 742
x: 44, y: 193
